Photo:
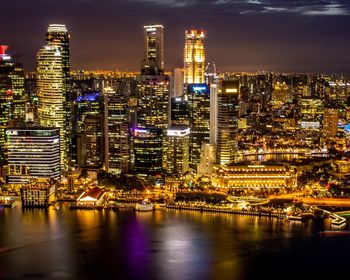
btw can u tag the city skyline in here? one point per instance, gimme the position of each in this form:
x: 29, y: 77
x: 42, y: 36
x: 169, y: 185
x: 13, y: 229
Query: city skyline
x: 251, y: 35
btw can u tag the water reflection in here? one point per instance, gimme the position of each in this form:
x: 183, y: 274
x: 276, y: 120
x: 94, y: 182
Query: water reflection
x: 165, y: 244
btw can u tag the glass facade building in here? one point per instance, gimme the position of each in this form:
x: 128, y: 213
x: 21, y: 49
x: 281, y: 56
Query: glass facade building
x: 32, y: 153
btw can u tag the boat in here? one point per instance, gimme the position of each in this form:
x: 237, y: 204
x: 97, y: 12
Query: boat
x: 145, y: 205
x: 335, y: 233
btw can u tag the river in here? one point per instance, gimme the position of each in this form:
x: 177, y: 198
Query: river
x: 164, y: 244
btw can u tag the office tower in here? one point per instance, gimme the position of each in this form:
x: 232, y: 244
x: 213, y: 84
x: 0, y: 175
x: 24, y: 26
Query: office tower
x: 330, y: 122
x: 12, y: 93
x: 199, y: 107
x: 11, y: 69
x: 153, y: 101
x: 213, y: 113
x: 194, y: 57
x: 32, y: 153
x: 180, y: 111
x: 153, y: 64
x: 117, y: 138
x: 87, y: 102
x: 148, y: 153
x: 93, y: 141
x: 178, y: 83
x: 58, y: 33
x: 227, y: 121
x: 178, y: 150
x: 51, y: 93
x: 207, y: 161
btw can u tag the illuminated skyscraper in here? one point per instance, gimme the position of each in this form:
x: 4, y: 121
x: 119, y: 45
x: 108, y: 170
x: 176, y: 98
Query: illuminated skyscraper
x: 180, y: 114
x: 32, y: 153
x: 88, y: 102
x: 153, y: 64
x: 58, y: 33
x: 199, y: 108
x: 117, y: 139
x: 12, y: 94
x: 178, y: 150
x: 92, y: 141
x: 148, y: 153
x: 227, y: 121
x: 51, y: 93
x: 153, y: 102
x: 194, y: 57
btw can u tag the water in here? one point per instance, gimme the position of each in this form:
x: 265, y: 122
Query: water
x: 164, y: 244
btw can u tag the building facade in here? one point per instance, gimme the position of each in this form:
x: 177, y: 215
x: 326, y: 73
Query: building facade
x: 227, y: 121
x: 58, y: 34
x: 254, y: 177
x: 178, y: 139
x: 51, y: 93
x: 148, y: 152
x: 194, y: 57
x: 153, y: 64
x: 32, y: 153
x: 199, y: 108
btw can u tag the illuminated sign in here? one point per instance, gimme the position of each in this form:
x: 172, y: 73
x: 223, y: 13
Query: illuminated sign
x: 179, y: 132
x: 138, y: 131
x: 198, y: 88
x: 149, y: 29
x: 11, y: 132
x: 178, y: 99
x: 231, y: 90
x: 203, y: 88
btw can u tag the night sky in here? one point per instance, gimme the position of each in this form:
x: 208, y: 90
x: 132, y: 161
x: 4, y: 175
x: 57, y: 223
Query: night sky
x: 242, y: 35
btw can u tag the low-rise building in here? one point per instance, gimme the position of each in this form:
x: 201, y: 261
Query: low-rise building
x: 257, y: 177
x: 92, y: 197
x: 39, y: 193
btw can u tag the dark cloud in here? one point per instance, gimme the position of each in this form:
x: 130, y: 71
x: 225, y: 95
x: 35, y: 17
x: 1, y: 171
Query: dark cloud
x: 247, y: 35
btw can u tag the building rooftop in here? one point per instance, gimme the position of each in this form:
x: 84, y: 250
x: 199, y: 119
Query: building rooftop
x: 94, y: 193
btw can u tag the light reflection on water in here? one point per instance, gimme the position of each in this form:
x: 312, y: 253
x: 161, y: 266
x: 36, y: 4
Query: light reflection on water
x: 164, y: 244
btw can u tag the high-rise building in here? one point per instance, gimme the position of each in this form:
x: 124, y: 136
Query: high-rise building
x: 51, y: 93
x: 227, y: 121
x: 213, y: 113
x: 153, y: 101
x: 199, y: 108
x: 178, y: 150
x: 178, y: 83
x: 12, y: 93
x: 58, y: 33
x: 180, y: 113
x: 117, y: 138
x: 153, y: 64
x: 88, y: 102
x: 32, y: 153
x: 330, y: 122
x: 93, y: 141
x: 194, y: 57
x: 207, y: 161
x: 148, y: 153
